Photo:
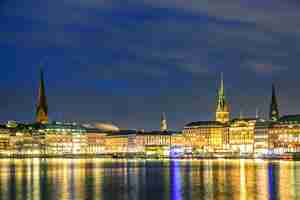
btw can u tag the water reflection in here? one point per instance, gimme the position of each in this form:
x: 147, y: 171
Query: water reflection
x: 157, y: 179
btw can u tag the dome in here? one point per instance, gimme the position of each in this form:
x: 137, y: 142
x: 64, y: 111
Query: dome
x: 107, y: 126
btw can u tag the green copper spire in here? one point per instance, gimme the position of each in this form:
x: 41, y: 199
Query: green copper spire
x: 222, y: 113
x: 221, y: 96
x: 42, y: 105
x: 274, y: 112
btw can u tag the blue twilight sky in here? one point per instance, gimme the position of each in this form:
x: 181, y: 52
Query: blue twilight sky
x: 127, y: 61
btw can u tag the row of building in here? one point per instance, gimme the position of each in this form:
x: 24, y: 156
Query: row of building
x: 222, y: 137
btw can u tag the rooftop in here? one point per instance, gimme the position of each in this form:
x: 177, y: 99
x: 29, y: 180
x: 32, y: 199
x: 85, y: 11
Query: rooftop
x: 205, y: 124
x: 289, y: 118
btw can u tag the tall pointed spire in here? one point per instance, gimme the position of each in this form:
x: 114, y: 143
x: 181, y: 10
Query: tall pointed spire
x: 274, y: 112
x: 163, y: 123
x: 222, y: 113
x: 222, y: 91
x: 42, y: 105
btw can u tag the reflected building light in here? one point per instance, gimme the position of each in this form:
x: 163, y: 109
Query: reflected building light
x: 296, y: 177
x: 29, y: 173
x: 79, y: 179
x: 286, y: 181
x: 262, y: 179
x: 19, y: 164
x: 272, y: 181
x: 221, y: 176
x: 176, y: 180
x: 5, y: 179
x: 66, y: 184
x: 36, y: 179
x: 208, y: 178
x: 98, y: 180
x: 243, y: 190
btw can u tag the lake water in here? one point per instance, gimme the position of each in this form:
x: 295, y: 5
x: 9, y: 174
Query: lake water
x: 107, y: 179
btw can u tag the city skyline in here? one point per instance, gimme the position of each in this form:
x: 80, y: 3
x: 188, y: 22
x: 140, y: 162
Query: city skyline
x: 127, y: 63
x: 222, y: 106
x: 100, y: 98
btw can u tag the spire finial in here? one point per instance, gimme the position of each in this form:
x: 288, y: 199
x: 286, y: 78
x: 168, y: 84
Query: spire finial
x: 241, y: 114
x: 163, y: 122
x: 222, y: 85
x: 257, y: 113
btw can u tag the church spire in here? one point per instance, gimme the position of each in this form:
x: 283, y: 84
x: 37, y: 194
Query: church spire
x: 222, y: 113
x: 42, y: 106
x: 221, y: 95
x: 274, y: 112
x: 163, y: 123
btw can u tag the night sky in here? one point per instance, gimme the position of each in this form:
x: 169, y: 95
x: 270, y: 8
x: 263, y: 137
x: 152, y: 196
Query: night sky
x: 127, y: 61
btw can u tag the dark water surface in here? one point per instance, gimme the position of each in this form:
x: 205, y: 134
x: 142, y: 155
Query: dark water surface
x: 107, y: 179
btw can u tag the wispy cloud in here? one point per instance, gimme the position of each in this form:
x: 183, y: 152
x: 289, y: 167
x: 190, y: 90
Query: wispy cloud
x: 138, y: 46
x: 265, y: 68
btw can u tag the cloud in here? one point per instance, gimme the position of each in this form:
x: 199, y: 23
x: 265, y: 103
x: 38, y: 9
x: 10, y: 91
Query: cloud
x: 141, y: 57
x: 265, y: 68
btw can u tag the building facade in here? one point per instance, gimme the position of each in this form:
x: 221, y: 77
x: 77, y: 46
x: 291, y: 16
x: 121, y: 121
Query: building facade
x: 285, y: 135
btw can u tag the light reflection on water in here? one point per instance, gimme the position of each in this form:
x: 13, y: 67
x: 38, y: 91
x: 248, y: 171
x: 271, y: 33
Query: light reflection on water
x: 104, y: 179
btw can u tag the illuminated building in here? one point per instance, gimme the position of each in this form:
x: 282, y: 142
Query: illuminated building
x: 64, y: 138
x: 284, y: 132
x: 121, y: 142
x: 285, y: 135
x: 178, y: 140
x: 221, y: 137
x: 42, y: 106
x: 210, y: 136
x: 23, y: 141
x: 206, y: 136
x: 241, y: 135
x: 155, y: 143
x: 96, y: 141
x: 4, y: 140
x: 261, y: 138
x: 246, y: 135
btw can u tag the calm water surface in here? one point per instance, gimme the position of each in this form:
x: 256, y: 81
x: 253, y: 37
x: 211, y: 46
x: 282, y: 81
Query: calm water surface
x: 106, y: 179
